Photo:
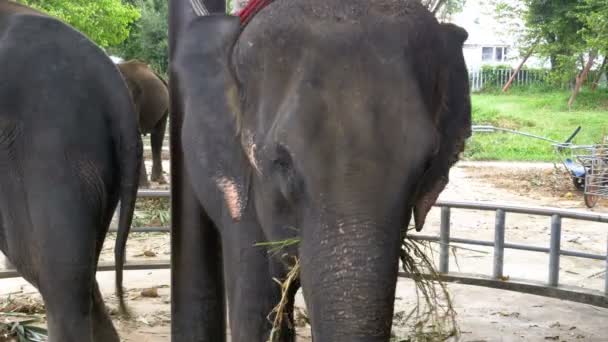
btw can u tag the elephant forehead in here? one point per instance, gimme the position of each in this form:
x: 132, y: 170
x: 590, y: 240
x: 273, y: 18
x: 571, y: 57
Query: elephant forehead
x: 232, y: 198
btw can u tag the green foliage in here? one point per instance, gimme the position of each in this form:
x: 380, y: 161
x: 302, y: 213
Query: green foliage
x: 565, y: 31
x: 152, y: 212
x: 148, y: 40
x: 444, y: 8
x: 23, y: 329
x: 533, y: 111
x: 106, y: 22
x: 593, y: 14
x: 450, y: 7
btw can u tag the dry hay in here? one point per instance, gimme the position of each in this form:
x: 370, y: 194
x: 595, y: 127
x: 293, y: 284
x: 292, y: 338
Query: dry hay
x: 279, y: 310
x: 433, y: 318
x: 18, y: 318
x: 21, y: 304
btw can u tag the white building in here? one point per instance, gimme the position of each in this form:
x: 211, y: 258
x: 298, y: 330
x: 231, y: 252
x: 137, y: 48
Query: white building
x: 489, y: 43
x: 116, y: 59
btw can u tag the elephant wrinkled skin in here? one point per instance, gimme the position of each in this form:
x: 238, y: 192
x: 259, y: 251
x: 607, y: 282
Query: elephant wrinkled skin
x: 69, y: 151
x: 150, y: 95
x: 328, y: 121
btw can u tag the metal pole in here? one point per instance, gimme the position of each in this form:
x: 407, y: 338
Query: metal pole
x: 499, y: 243
x: 556, y: 232
x: 444, y: 239
x: 606, y: 274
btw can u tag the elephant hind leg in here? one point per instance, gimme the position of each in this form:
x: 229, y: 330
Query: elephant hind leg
x: 143, y: 176
x: 67, y: 296
x: 65, y: 237
x: 156, y: 139
x: 103, y: 330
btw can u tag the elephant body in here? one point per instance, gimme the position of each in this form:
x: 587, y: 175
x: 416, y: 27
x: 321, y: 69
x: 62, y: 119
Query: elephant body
x: 69, y: 151
x: 151, y: 98
x: 327, y: 121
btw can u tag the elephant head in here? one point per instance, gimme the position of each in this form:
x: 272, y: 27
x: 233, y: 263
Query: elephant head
x: 331, y: 121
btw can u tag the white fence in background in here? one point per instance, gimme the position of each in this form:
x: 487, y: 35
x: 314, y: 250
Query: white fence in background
x: 497, y: 78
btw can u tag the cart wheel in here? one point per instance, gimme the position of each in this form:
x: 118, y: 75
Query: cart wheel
x: 590, y: 200
x: 579, y: 183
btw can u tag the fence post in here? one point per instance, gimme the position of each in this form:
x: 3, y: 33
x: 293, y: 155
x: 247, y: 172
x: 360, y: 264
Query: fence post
x: 499, y: 243
x: 444, y: 239
x: 606, y: 274
x: 554, y: 249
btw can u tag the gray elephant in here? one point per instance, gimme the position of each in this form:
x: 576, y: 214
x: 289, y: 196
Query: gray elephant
x: 327, y: 121
x: 150, y: 95
x: 69, y: 151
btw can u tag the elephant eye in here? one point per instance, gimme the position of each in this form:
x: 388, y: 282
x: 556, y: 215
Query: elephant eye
x: 282, y: 160
x: 285, y: 174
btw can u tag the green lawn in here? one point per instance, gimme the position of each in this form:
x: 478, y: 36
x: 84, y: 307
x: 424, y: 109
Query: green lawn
x: 541, y: 113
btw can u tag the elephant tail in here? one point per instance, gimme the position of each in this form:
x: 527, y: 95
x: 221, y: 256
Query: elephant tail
x: 129, y: 151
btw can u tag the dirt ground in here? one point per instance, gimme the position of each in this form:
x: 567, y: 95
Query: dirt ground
x: 483, y: 314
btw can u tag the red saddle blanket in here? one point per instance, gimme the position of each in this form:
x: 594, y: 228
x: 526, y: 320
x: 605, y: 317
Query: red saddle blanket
x: 253, y: 7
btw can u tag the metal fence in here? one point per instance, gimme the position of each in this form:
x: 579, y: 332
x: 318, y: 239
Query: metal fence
x: 550, y: 288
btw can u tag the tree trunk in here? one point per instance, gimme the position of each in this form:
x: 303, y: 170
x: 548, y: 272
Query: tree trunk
x: 600, y: 71
x: 581, y: 78
x: 512, y: 78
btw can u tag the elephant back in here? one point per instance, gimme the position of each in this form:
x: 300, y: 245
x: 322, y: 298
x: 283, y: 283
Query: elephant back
x: 149, y: 91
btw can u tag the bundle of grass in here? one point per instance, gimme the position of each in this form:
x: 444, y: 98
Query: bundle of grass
x: 18, y: 316
x: 434, y: 316
x: 22, y: 331
x: 279, y: 310
x: 278, y: 315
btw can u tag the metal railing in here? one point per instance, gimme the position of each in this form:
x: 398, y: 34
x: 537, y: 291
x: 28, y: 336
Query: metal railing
x: 551, y: 288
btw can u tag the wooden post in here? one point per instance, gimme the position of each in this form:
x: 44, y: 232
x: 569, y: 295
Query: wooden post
x: 599, y: 75
x: 581, y: 78
x: 512, y: 78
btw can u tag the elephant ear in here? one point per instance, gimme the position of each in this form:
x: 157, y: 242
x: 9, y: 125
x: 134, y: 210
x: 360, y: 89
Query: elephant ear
x: 209, y: 95
x: 453, y: 121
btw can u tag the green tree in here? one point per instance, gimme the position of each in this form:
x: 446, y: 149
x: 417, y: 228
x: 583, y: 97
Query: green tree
x: 593, y: 14
x: 106, y: 22
x: 444, y: 8
x: 572, y: 33
x: 148, y: 40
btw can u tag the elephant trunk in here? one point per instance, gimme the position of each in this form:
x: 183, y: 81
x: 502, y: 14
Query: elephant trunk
x: 349, y: 274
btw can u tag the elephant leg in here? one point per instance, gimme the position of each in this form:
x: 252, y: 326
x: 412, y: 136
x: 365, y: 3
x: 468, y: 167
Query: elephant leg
x: 143, y: 176
x: 65, y: 280
x: 197, y: 288
x: 103, y: 330
x: 252, y: 293
x: 156, y: 140
x: 69, y: 309
x: 66, y: 235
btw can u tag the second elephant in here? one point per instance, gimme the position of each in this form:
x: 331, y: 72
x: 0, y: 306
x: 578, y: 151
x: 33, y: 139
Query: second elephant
x: 151, y: 98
